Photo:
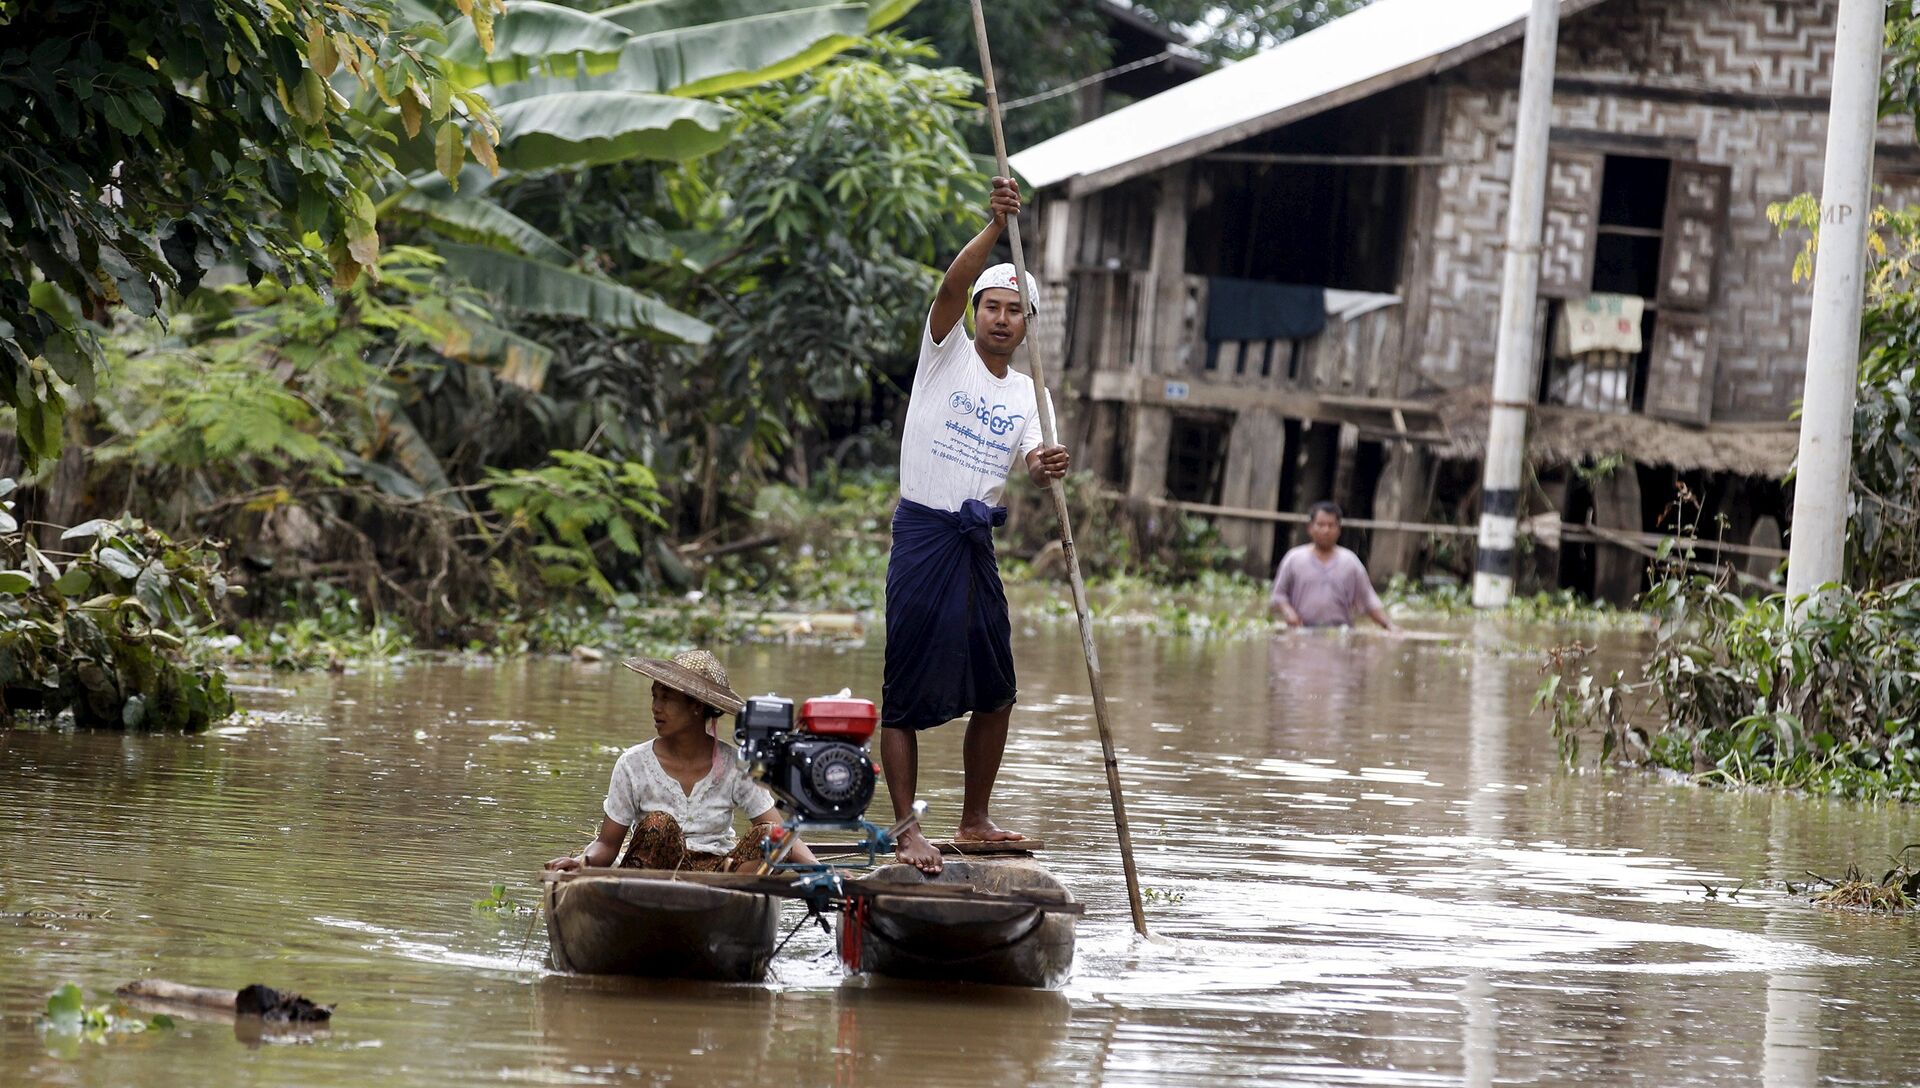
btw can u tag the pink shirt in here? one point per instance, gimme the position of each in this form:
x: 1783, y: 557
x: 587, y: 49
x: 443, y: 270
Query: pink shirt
x: 1325, y: 594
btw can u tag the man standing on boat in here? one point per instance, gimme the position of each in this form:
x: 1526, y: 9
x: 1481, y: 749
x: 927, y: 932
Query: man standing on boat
x: 949, y: 641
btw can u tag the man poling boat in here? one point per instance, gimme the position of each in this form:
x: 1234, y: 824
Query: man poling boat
x: 970, y: 417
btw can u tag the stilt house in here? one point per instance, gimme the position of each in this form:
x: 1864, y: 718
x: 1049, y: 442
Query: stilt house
x: 1280, y: 282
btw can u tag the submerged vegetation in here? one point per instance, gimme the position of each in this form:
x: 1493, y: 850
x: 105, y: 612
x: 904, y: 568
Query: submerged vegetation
x: 1895, y: 892
x: 68, y: 1015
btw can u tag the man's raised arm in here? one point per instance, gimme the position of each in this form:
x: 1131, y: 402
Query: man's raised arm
x: 950, y: 303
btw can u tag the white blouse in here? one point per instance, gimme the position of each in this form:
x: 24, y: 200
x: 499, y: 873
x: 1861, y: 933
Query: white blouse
x: 640, y: 785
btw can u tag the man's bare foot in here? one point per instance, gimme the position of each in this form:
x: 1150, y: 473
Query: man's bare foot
x: 915, y: 850
x: 985, y: 831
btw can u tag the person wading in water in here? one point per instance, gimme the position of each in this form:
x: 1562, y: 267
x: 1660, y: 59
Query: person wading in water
x: 1321, y: 584
x: 949, y: 648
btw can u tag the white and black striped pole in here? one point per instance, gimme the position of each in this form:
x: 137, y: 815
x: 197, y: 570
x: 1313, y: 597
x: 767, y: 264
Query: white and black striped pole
x: 1513, y: 370
x: 1818, y: 547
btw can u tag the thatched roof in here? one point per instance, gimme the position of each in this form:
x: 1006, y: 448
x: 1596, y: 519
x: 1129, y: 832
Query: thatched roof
x: 1568, y: 436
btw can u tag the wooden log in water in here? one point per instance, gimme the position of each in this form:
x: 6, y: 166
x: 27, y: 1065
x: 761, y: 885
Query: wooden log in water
x: 158, y: 989
x: 274, y: 1006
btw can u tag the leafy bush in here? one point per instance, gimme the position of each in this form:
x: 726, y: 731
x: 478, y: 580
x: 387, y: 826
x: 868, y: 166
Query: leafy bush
x: 1747, y: 692
x: 584, y: 513
x: 106, y: 635
x: 148, y: 143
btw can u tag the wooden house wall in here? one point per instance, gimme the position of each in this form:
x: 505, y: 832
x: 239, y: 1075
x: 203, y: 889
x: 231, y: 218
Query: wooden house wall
x: 1742, y: 84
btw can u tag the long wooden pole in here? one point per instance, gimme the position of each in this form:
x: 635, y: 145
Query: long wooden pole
x: 1059, y: 496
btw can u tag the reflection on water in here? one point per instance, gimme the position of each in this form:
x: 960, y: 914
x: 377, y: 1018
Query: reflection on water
x: 1373, y: 873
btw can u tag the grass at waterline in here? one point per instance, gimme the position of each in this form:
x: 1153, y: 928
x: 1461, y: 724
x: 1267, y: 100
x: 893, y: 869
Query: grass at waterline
x: 843, y: 600
x: 1228, y: 604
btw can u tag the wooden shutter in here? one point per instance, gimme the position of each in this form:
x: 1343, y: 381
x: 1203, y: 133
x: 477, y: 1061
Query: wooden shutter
x: 1568, y: 233
x: 1050, y: 324
x: 1693, y: 237
x: 1681, y: 367
x: 1681, y: 371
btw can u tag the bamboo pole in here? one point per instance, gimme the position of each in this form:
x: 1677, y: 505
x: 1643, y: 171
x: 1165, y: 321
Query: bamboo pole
x: 1059, y: 496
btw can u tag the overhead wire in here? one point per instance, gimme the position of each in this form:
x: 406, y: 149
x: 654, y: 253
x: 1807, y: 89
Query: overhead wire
x: 1098, y: 77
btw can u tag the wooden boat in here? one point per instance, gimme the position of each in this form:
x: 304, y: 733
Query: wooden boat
x: 659, y: 924
x: 958, y: 938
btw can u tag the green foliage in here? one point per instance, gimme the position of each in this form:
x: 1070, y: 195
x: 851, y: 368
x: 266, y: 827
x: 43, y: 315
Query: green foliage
x: 1748, y: 692
x: 815, y: 233
x: 1557, y: 608
x: 497, y: 901
x: 1883, y: 537
x: 201, y: 399
x: 104, y: 634
x: 585, y: 514
x: 144, y: 145
x: 324, y: 627
x: 830, y: 552
x: 69, y: 1014
x: 628, y: 84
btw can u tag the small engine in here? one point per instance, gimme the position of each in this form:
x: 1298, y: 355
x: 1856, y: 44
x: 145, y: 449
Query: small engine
x: 819, y: 772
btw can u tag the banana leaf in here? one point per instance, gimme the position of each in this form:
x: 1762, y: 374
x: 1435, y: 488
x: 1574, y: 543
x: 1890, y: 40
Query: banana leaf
x: 533, y: 36
x: 581, y: 128
x: 481, y: 221
x: 709, y: 58
x: 533, y: 287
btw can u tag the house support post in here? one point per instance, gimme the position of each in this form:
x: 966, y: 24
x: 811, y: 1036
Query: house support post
x: 1817, y: 552
x: 1513, y: 376
x: 1403, y: 494
x: 1160, y: 340
x: 1255, y: 452
x: 1147, y: 446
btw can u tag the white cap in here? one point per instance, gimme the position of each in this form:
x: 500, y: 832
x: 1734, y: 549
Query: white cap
x: 1001, y: 275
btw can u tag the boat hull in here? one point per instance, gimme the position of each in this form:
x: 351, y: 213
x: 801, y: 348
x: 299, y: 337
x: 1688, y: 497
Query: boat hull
x: 653, y: 926
x: 957, y: 940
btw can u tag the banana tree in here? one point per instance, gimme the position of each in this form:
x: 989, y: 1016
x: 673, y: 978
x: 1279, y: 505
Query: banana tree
x: 571, y: 89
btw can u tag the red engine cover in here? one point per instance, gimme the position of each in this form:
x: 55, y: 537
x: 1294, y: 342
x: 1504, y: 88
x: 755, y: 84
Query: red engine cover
x: 849, y: 719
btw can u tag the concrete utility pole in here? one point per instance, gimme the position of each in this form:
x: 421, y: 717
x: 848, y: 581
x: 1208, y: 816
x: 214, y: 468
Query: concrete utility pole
x: 1513, y: 376
x: 1817, y: 553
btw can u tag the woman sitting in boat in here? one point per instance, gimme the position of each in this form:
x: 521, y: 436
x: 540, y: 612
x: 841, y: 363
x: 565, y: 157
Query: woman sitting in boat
x: 679, y: 791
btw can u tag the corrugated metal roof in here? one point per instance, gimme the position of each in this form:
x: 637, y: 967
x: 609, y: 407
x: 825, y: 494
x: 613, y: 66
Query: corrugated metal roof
x: 1384, y: 44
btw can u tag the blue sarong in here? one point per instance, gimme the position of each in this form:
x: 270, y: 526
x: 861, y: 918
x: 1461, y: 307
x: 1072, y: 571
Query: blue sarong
x: 949, y: 642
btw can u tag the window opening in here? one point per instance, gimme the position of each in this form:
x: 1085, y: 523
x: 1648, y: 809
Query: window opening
x: 1196, y: 459
x: 1626, y: 261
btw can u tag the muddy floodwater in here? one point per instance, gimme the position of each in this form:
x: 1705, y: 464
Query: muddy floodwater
x: 1366, y: 866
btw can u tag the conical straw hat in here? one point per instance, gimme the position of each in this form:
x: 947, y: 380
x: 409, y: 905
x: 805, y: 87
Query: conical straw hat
x: 692, y: 672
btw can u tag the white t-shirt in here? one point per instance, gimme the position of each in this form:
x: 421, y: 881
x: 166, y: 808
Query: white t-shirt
x: 965, y: 427
x: 640, y: 785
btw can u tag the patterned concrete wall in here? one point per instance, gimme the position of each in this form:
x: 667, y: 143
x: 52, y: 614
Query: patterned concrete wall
x: 1693, y: 66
